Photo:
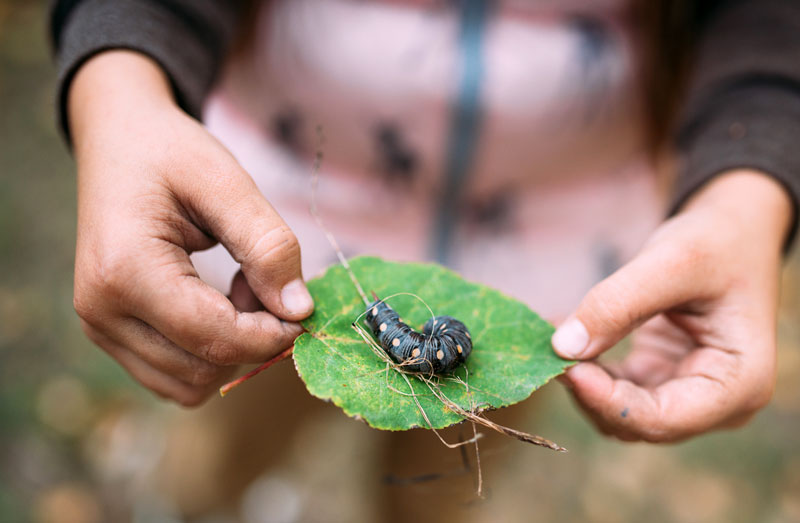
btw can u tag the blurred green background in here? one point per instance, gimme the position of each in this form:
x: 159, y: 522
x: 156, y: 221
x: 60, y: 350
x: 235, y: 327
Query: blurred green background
x: 80, y: 442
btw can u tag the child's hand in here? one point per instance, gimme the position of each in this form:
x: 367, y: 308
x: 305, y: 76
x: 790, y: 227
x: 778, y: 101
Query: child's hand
x: 154, y: 186
x: 705, y: 292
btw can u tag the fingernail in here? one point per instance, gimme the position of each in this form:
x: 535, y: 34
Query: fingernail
x: 571, y: 339
x: 295, y: 298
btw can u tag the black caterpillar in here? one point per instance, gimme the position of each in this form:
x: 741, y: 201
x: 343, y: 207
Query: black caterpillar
x: 440, y: 348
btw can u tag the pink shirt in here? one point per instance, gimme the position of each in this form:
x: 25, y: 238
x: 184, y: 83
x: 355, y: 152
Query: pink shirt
x: 524, y: 119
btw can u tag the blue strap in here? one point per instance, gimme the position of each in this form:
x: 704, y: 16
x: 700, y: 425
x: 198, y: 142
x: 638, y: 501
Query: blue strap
x: 464, y: 124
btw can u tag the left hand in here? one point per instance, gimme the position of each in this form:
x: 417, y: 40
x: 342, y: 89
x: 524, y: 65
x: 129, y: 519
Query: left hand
x: 704, y: 294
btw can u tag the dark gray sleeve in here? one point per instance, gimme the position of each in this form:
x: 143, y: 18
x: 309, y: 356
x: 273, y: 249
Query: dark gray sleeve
x: 743, y: 106
x: 188, y: 38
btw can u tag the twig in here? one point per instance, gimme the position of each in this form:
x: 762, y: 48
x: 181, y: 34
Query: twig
x: 264, y: 366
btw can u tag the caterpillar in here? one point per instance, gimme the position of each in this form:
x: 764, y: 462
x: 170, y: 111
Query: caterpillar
x: 443, y: 344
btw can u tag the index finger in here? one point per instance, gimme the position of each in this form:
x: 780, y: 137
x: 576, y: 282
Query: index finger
x: 677, y: 409
x: 199, y: 319
x: 226, y: 202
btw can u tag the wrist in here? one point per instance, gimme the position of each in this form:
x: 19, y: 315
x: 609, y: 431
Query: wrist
x: 751, y: 201
x: 114, y: 88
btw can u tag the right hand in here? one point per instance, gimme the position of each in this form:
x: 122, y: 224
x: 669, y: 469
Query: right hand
x: 154, y: 186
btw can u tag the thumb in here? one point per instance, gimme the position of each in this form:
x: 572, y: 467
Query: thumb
x: 649, y: 284
x: 235, y: 212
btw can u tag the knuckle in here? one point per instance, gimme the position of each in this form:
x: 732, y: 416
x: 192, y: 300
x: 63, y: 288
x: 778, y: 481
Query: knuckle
x: 760, y: 394
x: 114, y: 274
x: 204, y: 374
x: 106, y: 278
x: 87, y: 297
x: 763, y: 396
x: 688, y: 253
x: 86, y: 307
x: 220, y: 352
x: 208, y: 316
x: 277, y: 247
x: 211, y: 339
x: 757, y: 385
x: 656, y: 433
x: 219, y: 312
x: 693, y: 254
x: 608, y: 307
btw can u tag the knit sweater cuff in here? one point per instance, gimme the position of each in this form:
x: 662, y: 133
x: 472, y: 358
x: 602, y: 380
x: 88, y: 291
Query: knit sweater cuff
x: 755, y: 125
x: 188, y: 44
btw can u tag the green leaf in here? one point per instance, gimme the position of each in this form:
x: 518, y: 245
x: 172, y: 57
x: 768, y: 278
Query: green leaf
x: 511, y: 354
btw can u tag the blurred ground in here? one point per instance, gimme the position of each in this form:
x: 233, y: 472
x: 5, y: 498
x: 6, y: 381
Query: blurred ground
x: 79, y: 442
